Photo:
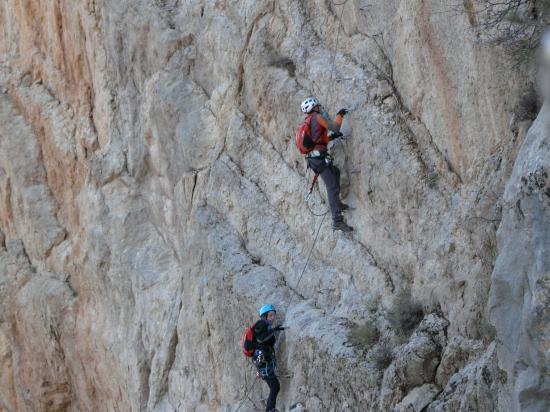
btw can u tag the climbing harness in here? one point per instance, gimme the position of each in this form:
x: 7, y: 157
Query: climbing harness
x: 266, y: 368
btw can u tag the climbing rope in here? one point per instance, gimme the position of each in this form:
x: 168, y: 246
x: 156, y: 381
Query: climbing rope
x: 309, y: 197
x: 308, y: 257
x: 333, y: 65
x: 245, y: 397
x: 323, y: 215
x: 327, y: 95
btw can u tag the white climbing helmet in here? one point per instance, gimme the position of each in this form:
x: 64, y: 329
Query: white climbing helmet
x: 309, y: 104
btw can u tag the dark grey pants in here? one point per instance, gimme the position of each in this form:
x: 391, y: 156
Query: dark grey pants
x: 274, y: 388
x: 331, y: 176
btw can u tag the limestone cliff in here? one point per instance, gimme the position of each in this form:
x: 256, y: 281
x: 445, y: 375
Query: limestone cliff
x: 152, y: 199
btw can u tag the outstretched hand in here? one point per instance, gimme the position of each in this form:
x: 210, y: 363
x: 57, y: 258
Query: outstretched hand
x: 342, y: 112
x: 278, y: 328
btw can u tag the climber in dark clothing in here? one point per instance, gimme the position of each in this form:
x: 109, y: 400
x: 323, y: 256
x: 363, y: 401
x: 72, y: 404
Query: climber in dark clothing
x: 264, y: 354
x: 319, y: 161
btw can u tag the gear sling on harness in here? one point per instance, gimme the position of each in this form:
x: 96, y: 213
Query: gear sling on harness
x: 328, y: 160
x: 313, y: 181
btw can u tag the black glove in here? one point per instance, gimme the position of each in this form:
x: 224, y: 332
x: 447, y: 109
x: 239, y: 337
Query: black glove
x: 279, y: 328
x: 343, y: 112
x: 335, y: 135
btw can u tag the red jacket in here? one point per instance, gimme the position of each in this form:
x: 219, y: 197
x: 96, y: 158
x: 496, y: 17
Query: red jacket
x: 320, y: 125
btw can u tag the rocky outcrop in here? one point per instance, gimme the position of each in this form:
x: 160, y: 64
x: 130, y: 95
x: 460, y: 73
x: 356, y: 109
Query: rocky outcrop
x: 417, y: 399
x: 415, y: 364
x: 520, y: 294
x: 478, y: 386
x: 152, y: 199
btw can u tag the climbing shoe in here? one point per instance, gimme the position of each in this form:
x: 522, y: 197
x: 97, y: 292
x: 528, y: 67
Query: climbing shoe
x: 341, y: 225
x: 343, y: 206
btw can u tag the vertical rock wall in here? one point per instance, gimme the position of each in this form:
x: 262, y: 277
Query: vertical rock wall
x: 152, y: 199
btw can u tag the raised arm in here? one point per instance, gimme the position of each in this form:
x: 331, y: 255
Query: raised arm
x: 333, y: 126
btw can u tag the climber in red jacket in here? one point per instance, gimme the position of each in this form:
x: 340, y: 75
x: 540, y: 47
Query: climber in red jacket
x: 319, y: 161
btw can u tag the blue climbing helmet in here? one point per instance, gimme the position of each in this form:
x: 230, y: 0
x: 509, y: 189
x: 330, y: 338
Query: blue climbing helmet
x: 267, y: 308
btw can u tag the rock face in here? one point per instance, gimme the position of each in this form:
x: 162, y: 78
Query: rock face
x: 152, y: 200
x: 520, y: 295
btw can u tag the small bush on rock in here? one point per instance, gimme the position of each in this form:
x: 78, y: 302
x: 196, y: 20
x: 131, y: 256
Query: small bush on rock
x: 515, y: 24
x: 405, y: 314
x: 364, y: 335
x: 382, y: 357
x: 528, y: 105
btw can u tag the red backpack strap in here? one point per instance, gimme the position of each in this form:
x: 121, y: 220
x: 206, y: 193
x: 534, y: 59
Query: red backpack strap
x: 308, y: 120
x: 303, y: 134
x: 315, y: 139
